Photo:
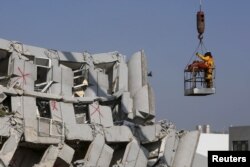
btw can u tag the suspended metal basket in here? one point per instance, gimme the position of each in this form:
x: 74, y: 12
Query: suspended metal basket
x: 195, y: 83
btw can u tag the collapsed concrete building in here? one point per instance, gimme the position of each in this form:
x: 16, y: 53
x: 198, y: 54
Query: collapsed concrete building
x: 83, y: 110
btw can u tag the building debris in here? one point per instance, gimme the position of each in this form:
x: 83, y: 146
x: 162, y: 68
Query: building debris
x: 79, y: 109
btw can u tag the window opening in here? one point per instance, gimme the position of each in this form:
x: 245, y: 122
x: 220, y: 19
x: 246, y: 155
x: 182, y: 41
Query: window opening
x: 240, y: 145
x: 43, y: 108
x: 41, y: 81
x: 5, y: 106
x: 81, y: 113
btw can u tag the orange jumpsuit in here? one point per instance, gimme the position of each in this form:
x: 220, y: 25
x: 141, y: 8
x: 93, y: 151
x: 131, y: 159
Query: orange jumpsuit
x: 209, y: 63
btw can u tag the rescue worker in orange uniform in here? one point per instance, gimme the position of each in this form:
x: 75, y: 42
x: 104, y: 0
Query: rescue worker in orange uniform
x: 208, y: 64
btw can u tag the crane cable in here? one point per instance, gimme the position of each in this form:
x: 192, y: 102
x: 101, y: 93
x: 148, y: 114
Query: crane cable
x: 201, y: 46
x: 200, y: 5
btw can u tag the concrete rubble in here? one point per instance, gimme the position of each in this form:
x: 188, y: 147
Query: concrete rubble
x: 83, y: 110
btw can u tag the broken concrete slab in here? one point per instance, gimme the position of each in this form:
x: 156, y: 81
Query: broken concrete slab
x: 141, y: 105
x: 135, y: 155
x: 66, y: 153
x: 186, y: 148
x: 137, y: 72
x: 149, y: 133
x: 168, y: 147
x: 117, y: 134
x: 127, y: 104
x: 5, y: 44
x: 5, y: 126
x: 9, y: 147
x: 23, y: 74
x: 100, y: 114
x: 16, y: 105
x: 99, y: 153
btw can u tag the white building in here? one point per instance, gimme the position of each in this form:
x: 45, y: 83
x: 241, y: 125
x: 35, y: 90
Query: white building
x: 209, y: 142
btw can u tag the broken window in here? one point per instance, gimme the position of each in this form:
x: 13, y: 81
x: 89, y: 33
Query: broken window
x: 4, y: 65
x: 5, y: 105
x: 41, y: 81
x: 43, y: 108
x: 107, y: 77
x: 4, y: 62
x: 81, y: 113
x: 43, y: 67
x: 80, y: 82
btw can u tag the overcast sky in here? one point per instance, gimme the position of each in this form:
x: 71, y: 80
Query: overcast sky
x: 166, y: 30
